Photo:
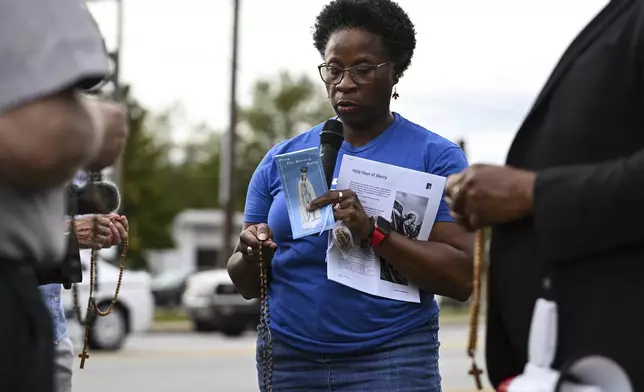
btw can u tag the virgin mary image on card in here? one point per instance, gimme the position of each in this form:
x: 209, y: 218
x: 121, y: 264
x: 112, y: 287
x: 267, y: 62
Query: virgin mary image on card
x: 306, y: 194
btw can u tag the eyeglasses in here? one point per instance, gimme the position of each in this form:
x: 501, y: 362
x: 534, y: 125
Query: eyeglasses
x: 361, y: 74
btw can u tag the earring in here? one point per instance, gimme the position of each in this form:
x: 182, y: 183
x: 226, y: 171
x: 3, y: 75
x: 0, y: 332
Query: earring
x: 396, y: 95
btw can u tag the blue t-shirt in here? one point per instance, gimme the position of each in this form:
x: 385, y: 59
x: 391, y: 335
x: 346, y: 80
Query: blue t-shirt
x: 309, y: 311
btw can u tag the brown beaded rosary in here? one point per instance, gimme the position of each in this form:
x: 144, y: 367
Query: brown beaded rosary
x: 479, y: 252
x: 264, y: 325
x: 93, y: 309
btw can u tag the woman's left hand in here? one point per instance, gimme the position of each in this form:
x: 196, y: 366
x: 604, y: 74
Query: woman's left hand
x: 347, y: 208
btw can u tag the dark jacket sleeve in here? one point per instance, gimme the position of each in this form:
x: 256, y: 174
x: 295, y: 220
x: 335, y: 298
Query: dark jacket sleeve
x: 589, y: 209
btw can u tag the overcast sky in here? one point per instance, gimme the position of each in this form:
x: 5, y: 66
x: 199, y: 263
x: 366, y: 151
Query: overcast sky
x: 477, y: 68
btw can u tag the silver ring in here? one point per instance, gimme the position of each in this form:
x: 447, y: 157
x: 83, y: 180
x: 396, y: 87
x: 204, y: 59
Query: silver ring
x: 249, y: 251
x: 340, y: 195
x: 336, y: 206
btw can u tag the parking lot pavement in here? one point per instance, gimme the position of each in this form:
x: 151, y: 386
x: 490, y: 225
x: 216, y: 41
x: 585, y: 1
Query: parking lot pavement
x: 186, y: 361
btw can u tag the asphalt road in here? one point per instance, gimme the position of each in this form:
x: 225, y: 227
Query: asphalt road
x: 191, y: 362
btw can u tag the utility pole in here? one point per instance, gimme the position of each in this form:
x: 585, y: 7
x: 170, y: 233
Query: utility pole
x: 116, y: 57
x: 226, y: 184
x: 116, y: 175
x: 117, y: 169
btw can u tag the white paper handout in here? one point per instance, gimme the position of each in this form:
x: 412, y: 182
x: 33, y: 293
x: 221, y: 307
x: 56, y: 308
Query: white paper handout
x: 409, y: 199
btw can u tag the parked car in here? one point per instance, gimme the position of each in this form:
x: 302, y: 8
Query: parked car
x: 213, y: 303
x: 134, y: 309
x: 168, y: 286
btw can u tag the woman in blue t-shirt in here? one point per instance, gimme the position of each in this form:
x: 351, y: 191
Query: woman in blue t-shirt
x: 324, y: 335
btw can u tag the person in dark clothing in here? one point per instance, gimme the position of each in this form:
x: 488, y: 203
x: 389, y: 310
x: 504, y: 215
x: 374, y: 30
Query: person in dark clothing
x: 568, y: 205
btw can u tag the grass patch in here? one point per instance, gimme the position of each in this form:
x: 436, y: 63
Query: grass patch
x: 169, y: 315
x: 454, y: 312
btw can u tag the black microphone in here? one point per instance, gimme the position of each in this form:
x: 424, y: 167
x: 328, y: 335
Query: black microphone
x: 331, y: 138
x: 93, y: 198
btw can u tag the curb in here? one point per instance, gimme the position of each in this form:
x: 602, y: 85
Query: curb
x: 170, y: 327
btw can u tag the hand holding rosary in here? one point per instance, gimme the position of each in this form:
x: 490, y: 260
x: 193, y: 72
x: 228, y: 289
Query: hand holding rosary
x: 264, y: 255
x: 93, y: 308
x: 352, y: 222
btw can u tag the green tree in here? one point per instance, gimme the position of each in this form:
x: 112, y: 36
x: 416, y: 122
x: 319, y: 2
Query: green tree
x: 162, y: 178
x: 280, y: 109
x: 198, y: 171
x: 147, y: 182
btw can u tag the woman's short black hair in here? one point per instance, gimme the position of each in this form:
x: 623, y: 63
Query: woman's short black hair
x: 384, y: 18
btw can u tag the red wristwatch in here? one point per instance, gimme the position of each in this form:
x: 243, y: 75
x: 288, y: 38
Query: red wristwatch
x: 381, y: 231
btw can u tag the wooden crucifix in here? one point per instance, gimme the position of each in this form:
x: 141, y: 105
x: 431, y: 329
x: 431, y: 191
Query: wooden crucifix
x: 83, y: 356
x: 476, y: 373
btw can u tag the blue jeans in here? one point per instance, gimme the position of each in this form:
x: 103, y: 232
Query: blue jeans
x: 408, y: 363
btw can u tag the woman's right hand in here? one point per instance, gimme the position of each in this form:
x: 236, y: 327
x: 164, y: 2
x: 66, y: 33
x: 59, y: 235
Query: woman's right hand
x: 250, y: 238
